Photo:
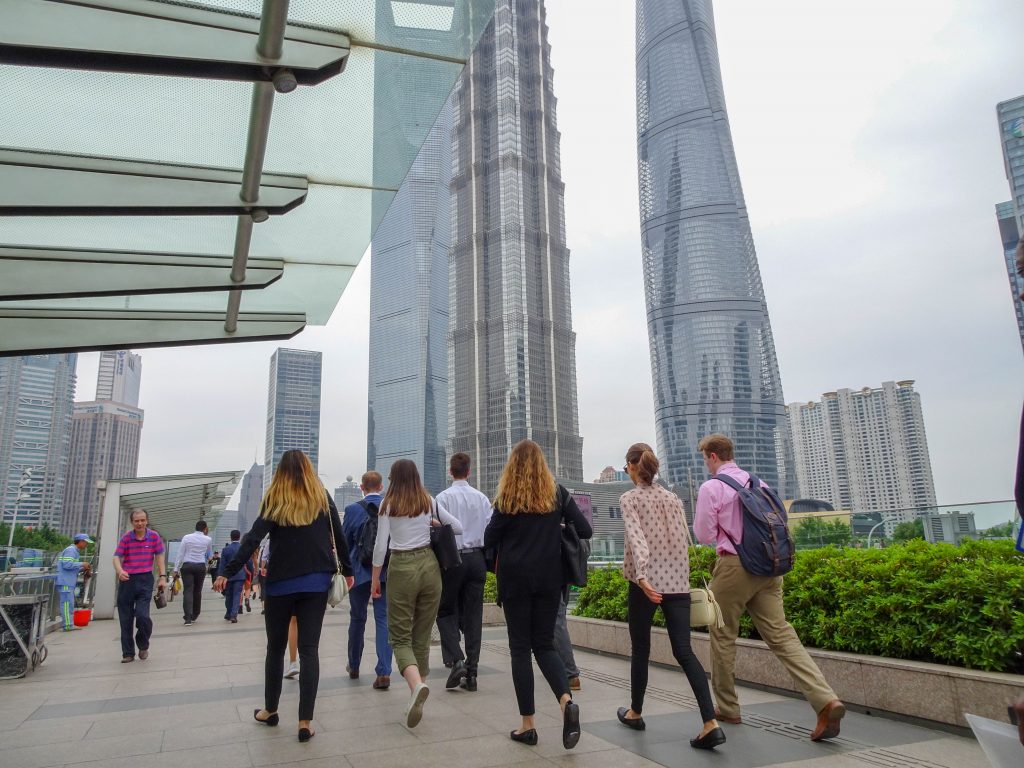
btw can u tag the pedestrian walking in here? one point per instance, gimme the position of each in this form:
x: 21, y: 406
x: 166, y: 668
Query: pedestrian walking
x: 195, y: 552
x: 213, y: 567
x: 462, y: 587
x: 134, y: 557
x: 235, y: 582
x: 657, y: 565
x: 69, y: 564
x: 357, y: 516
x: 526, y: 532
x: 414, y: 577
x: 302, y: 522
x: 719, y: 522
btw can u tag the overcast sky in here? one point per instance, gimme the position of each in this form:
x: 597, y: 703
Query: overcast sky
x: 869, y: 154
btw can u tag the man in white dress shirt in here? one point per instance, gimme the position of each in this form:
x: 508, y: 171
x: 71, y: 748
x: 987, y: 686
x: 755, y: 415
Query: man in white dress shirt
x: 462, y: 594
x: 194, y: 553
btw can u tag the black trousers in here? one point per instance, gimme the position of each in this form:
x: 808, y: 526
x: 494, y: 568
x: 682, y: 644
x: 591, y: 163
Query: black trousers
x: 530, y: 622
x: 462, y: 606
x: 308, y: 609
x: 133, y: 598
x: 676, y: 608
x: 192, y: 577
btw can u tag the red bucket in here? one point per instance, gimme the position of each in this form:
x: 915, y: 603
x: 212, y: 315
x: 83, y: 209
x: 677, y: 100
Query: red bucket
x: 82, y: 616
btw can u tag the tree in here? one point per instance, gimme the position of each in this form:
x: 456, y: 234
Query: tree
x: 908, y: 531
x: 44, y: 537
x: 815, y: 532
x: 1001, y: 531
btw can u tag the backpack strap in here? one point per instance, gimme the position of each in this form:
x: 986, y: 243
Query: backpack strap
x: 366, y: 507
x: 732, y: 483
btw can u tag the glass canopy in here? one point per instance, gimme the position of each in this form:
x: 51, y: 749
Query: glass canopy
x: 205, y: 172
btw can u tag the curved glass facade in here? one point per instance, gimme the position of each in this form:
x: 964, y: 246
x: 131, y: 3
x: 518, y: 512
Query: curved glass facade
x: 712, y: 354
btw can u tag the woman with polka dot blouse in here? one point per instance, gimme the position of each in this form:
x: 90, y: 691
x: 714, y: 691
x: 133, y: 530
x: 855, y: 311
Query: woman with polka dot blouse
x: 657, y: 566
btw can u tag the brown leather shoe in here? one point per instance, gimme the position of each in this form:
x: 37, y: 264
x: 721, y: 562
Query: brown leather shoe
x: 382, y: 683
x: 734, y: 720
x: 353, y: 674
x: 828, y: 721
x: 574, y: 683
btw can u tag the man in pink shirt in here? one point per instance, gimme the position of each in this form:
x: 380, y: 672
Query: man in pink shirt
x: 718, y: 518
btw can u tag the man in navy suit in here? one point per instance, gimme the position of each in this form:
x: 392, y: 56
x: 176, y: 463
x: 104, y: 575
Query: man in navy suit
x: 233, y: 590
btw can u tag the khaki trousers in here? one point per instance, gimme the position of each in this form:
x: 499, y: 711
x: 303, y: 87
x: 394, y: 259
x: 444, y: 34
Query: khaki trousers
x: 761, y: 596
x: 413, y: 594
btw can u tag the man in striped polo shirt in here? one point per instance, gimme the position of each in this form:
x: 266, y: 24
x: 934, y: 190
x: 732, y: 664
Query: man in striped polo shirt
x: 133, y: 561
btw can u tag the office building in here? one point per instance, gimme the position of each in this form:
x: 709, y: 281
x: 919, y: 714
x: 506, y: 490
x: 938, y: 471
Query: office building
x: 347, y: 493
x: 37, y: 394
x: 865, y: 451
x: 408, y: 388
x: 606, y: 514
x: 293, y: 407
x: 226, y: 523
x: 119, y: 377
x: 511, y: 347
x: 949, y: 527
x: 713, y: 359
x: 612, y: 475
x: 251, y: 497
x: 105, y: 439
x: 1009, y: 234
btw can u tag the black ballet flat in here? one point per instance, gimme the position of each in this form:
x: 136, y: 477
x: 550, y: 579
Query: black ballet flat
x: 526, y: 737
x: 713, y: 738
x: 571, y: 725
x: 636, y: 723
x: 272, y: 720
x: 305, y: 734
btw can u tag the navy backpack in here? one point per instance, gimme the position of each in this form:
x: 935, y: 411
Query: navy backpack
x: 766, y: 548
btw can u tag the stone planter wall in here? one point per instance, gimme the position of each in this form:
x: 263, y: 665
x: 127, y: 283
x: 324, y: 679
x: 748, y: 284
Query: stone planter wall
x: 916, y: 689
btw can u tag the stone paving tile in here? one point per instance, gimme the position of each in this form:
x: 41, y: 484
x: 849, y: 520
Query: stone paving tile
x: 200, y: 686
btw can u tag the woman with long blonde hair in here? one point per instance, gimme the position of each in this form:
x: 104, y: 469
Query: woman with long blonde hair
x: 302, y: 522
x: 530, y: 509
x: 406, y: 514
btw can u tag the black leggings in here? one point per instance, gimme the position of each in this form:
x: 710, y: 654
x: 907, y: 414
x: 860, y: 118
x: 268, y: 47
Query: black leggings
x: 308, y: 609
x: 677, y: 620
x: 530, y: 622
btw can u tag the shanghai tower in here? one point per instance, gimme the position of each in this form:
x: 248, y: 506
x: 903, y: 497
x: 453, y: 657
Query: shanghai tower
x: 712, y: 355
x: 511, y: 347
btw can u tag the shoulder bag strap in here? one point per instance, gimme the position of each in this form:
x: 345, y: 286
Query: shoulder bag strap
x: 334, y: 547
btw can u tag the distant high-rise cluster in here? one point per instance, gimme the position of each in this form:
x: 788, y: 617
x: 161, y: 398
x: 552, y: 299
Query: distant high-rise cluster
x: 712, y: 353
x: 483, y: 261
x: 293, y: 407
x: 865, y: 450
x: 1011, y: 213
x: 37, y: 394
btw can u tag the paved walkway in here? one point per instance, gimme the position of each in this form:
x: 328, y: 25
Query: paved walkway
x: 191, y: 703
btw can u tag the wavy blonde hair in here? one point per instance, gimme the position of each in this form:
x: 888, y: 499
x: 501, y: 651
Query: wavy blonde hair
x: 406, y: 496
x: 295, y: 496
x: 526, y: 484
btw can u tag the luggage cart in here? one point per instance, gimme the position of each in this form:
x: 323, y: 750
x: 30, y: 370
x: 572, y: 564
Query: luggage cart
x: 24, y: 598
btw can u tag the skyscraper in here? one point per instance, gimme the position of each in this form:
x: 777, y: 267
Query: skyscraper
x: 105, y: 439
x: 712, y: 354
x: 251, y: 497
x: 511, y: 347
x: 293, y: 407
x: 408, y: 390
x: 37, y: 393
x: 865, y: 450
x: 119, y: 377
x: 1011, y: 214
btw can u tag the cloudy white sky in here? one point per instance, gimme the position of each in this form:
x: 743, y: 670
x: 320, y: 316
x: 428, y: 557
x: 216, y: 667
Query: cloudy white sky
x: 869, y: 154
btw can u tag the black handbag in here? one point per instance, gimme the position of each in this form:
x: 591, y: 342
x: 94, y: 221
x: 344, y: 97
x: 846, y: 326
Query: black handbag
x: 442, y: 541
x: 574, y: 553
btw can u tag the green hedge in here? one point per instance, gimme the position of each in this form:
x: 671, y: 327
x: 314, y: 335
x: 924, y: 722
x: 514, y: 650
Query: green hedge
x: 926, y: 602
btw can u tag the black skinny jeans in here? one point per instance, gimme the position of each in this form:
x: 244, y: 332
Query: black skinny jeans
x: 530, y: 622
x: 677, y: 620
x: 308, y: 609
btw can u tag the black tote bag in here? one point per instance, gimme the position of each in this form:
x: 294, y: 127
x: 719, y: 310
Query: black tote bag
x: 442, y: 541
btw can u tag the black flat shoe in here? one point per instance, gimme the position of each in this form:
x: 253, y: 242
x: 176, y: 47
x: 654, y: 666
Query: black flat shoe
x: 526, y: 737
x: 305, y: 734
x: 570, y: 725
x: 636, y: 723
x: 271, y: 720
x: 713, y: 738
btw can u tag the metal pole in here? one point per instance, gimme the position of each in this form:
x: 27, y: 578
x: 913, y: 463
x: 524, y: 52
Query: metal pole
x: 873, y: 529
x: 26, y: 478
x: 269, y: 46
